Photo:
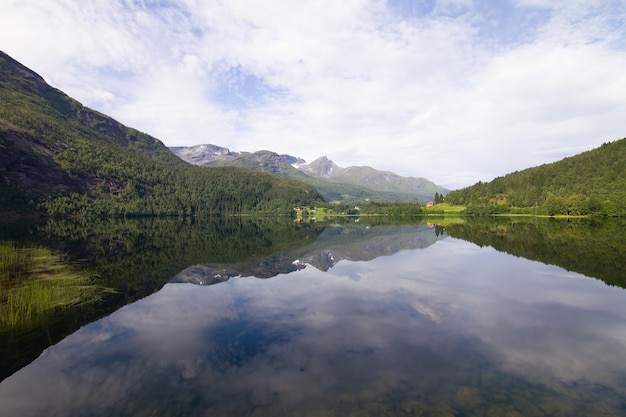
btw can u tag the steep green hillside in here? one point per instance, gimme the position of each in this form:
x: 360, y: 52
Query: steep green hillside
x: 62, y: 158
x: 593, y: 182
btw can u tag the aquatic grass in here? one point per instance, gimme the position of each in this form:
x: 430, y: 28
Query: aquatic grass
x: 13, y: 263
x: 35, y: 283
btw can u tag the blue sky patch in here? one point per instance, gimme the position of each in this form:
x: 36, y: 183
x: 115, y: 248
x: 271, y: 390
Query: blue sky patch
x: 241, y: 89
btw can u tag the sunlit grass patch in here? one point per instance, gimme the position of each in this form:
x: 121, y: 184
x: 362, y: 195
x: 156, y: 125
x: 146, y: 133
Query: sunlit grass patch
x: 35, y: 283
x: 443, y: 208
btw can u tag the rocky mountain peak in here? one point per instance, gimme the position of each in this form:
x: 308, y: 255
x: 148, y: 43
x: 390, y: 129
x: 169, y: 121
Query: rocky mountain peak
x: 293, y: 160
x: 321, y: 167
x: 201, y: 154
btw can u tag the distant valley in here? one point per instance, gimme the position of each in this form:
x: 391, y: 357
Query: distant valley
x: 355, y: 183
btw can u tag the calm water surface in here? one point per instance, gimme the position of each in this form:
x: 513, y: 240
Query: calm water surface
x: 362, y: 321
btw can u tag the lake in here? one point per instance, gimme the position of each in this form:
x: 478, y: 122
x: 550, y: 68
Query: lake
x: 345, y: 317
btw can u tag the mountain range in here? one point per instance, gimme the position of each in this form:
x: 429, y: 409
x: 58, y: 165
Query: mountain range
x: 335, y: 183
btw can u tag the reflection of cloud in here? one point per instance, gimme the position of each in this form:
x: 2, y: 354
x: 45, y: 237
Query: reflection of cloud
x: 424, y: 308
x: 419, y: 324
x: 573, y: 345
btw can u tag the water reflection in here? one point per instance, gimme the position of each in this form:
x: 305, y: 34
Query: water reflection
x: 451, y: 329
x: 333, y: 244
x: 593, y: 247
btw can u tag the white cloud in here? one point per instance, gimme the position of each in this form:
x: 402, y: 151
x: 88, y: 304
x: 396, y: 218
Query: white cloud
x: 456, y: 92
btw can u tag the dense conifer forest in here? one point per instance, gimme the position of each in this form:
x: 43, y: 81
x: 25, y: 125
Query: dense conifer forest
x: 61, y: 158
x: 593, y: 182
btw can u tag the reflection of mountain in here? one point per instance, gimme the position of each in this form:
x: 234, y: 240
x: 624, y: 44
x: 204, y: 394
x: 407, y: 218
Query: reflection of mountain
x: 210, y: 274
x: 336, y: 243
x: 592, y: 247
x: 356, y: 243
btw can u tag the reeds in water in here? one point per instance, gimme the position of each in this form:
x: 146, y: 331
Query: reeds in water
x: 35, y: 283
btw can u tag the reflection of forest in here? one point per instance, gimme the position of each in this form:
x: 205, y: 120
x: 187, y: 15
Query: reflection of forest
x: 592, y: 247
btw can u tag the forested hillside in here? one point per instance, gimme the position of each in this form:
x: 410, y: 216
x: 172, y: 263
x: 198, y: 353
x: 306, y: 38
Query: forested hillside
x: 593, y: 182
x: 62, y: 158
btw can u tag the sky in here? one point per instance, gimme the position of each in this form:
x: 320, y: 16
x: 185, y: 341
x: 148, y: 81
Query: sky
x: 455, y: 91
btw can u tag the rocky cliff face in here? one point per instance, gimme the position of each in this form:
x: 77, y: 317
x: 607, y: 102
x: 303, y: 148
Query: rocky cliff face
x: 265, y: 161
x: 213, y: 155
x: 27, y: 163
